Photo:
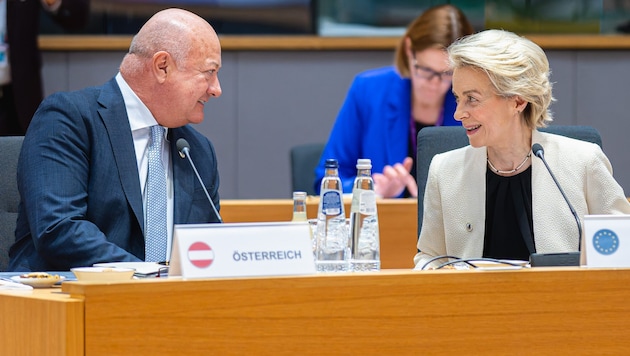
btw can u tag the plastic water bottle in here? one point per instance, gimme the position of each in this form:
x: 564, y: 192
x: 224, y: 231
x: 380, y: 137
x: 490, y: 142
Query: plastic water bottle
x: 364, y: 221
x: 299, y: 206
x: 332, y: 253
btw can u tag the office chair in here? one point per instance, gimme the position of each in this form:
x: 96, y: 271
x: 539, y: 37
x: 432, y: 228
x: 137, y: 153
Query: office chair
x: 304, y: 160
x: 434, y: 140
x: 9, y: 198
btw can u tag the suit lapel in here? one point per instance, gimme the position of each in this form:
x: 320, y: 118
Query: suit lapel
x: 183, y: 180
x: 114, y: 115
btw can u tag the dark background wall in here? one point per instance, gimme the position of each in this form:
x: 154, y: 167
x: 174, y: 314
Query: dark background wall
x: 273, y: 100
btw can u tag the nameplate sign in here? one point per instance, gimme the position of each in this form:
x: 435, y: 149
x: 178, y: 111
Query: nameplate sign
x: 241, y: 249
x: 607, y: 240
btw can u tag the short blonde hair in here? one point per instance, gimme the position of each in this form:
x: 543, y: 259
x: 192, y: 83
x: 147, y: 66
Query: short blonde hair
x: 437, y: 27
x: 515, y: 66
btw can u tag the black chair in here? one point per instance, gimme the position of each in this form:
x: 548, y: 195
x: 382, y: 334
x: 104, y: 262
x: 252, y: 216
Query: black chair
x: 304, y: 160
x: 434, y: 140
x: 9, y: 197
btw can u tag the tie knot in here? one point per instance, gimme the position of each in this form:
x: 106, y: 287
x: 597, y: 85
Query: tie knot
x: 157, y: 133
x: 157, y: 136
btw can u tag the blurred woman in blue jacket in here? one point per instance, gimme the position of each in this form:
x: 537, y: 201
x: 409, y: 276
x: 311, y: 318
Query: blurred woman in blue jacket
x: 386, y: 107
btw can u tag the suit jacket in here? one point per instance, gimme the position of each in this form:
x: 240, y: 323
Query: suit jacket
x: 81, y: 200
x: 24, y: 56
x: 374, y: 123
x: 455, y: 197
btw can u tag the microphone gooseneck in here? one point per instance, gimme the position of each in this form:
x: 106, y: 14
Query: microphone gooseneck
x: 184, y: 152
x: 538, y: 151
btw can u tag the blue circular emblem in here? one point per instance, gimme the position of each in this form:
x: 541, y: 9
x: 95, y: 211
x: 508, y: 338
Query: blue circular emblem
x: 605, y: 242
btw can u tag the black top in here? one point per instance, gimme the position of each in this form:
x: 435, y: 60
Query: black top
x: 509, y: 227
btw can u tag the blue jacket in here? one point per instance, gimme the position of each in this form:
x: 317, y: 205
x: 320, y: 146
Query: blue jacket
x: 81, y: 200
x: 374, y: 123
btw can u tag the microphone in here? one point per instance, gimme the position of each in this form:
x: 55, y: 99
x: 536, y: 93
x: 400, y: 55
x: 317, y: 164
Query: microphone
x: 184, y: 152
x: 564, y: 258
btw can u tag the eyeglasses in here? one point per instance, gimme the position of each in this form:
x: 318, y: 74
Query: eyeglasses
x: 428, y: 73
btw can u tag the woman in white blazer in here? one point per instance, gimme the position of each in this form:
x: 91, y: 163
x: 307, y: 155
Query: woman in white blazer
x: 492, y: 198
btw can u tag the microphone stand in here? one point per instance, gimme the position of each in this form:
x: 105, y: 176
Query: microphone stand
x: 562, y: 258
x: 185, y: 152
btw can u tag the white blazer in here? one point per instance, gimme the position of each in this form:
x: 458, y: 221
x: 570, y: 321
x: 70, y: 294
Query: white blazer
x: 455, y: 197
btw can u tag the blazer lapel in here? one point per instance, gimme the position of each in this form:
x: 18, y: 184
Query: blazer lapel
x: 545, y: 213
x: 114, y: 115
x: 474, y: 194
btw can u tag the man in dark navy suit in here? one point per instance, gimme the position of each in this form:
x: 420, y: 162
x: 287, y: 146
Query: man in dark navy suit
x: 21, y: 89
x: 82, y: 171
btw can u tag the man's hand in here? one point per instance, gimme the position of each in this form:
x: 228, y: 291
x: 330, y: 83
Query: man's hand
x: 394, y: 179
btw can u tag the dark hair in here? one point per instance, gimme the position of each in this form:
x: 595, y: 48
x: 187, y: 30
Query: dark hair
x: 437, y: 27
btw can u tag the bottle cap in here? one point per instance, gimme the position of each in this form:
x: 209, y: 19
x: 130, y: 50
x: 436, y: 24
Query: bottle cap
x: 299, y: 195
x: 364, y: 163
x: 332, y: 163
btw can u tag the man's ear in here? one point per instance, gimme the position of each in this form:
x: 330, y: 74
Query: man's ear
x: 161, y: 65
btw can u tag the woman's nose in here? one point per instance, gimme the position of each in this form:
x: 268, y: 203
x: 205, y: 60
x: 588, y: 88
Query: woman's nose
x: 459, y: 114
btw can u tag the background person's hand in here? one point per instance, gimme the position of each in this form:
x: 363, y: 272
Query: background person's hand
x: 394, y: 179
x: 52, y: 4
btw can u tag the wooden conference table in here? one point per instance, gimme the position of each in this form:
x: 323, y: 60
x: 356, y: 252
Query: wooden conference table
x: 393, y: 312
x: 398, y: 222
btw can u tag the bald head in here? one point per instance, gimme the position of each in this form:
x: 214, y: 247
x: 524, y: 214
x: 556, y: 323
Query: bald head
x: 171, y: 30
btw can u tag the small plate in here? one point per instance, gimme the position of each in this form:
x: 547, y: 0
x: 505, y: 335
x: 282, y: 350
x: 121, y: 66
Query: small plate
x: 38, y: 282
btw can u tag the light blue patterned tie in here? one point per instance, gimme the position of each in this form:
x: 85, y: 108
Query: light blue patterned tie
x: 156, y: 234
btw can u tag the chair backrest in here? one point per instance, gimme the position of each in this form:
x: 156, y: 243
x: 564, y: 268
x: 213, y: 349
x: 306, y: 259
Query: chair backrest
x: 304, y: 160
x: 434, y: 140
x: 9, y: 197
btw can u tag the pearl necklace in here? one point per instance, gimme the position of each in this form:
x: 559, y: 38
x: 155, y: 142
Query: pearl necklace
x: 510, y: 171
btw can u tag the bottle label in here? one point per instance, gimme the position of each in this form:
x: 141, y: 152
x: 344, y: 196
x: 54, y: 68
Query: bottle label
x: 331, y: 202
x: 367, y: 202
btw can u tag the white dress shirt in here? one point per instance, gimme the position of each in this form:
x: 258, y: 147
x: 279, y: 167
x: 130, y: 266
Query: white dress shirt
x: 140, y: 121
